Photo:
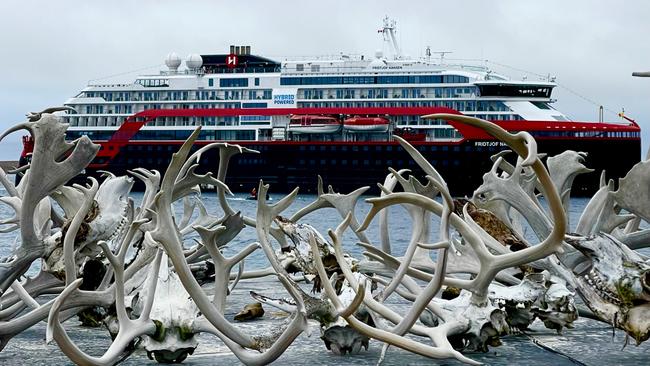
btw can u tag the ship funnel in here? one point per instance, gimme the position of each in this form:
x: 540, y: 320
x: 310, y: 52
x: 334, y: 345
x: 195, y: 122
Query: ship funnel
x: 240, y: 50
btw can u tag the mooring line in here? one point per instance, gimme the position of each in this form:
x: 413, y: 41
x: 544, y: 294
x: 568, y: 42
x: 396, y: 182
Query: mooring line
x: 541, y: 345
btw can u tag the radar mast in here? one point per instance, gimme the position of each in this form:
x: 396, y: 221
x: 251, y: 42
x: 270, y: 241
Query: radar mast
x: 388, y: 30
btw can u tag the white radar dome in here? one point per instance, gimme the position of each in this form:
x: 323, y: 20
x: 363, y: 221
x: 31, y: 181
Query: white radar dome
x: 173, y: 61
x: 194, y: 61
x: 379, y: 54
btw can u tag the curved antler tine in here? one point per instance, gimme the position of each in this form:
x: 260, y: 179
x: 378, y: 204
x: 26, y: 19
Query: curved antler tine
x: 19, y: 170
x: 387, y: 188
x: 240, y: 273
x: 53, y: 317
x: 420, y: 160
x: 495, y: 167
x: 397, y: 176
x: 432, y: 246
x: 318, y: 203
x: 153, y: 278
x: 382, y: 335
x: 106, y: 174
x: 17, y: 127
x: 178, y: 161
x: 522, y: 143
x: 73, y: 229
x: 319, y: 188
x: 271, y: 211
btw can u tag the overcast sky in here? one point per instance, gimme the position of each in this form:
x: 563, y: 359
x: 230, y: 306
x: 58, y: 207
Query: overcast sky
x: 51, y: 49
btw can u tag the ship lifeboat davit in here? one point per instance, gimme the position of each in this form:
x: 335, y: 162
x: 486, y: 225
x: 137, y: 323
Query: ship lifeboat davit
x: 313, y: 124
x: 366, y: 124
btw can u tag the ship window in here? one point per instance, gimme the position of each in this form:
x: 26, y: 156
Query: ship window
x: 300, y: 67
x: 447, y: 79
x: 257, y: 81
x: 210, y: 82
x: 233, y: 82
x: 504, y: 90
x: 315, y: 68
x: 302, y: 161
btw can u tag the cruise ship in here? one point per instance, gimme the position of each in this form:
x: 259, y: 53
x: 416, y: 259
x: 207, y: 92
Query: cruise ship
x: 333, y: 116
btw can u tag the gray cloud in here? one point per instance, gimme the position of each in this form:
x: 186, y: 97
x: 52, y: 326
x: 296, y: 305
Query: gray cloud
x: 51, y: 49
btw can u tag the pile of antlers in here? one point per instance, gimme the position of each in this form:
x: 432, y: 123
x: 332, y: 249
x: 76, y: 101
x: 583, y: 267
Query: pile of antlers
x: 136, y: 269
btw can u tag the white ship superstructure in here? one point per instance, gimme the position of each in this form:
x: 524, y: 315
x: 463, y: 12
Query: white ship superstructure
x: 241, y: 80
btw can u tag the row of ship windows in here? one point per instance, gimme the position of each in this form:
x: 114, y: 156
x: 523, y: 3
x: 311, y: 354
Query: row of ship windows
x: 253, y: 120
x: 251, y: 94
x: 242, y: 135
x: 367, y: 162
x: 589, y: 134
x: 266, y: 94
x: 378, y: 93
x: 460, y: 105
x: 224, y: 83
x: 396, y: 79
x: 311, y: 162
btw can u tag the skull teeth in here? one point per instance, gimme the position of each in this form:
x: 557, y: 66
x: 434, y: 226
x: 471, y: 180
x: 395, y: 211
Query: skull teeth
x: 601, y: 288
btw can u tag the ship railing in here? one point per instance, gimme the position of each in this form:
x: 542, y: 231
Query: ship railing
x: 109, y: 85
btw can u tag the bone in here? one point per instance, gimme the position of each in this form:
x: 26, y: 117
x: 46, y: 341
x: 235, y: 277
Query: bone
x: 147, y: 279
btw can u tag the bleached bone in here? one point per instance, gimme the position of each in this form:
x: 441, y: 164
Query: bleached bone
x: 509, y: 190
x: 564, y: 168
x: 438, y: 335
x: 128, y: 329
x: 173, y: 312
x: 595, y: 208
x: 189, y: 205
x: 45, y: 176
x: 151, y: 180
x: 226, y: 152
x: 389, y: 185
x: 203, y: 219
x: 420, y: 232
x: 212, y: 240
x: 343, y: 203
x: 491, y: 264
x: 166, y: 234
x: 633, y: 192
x: 617, y: 285
x: 538, y: 295
x: 104, y: 218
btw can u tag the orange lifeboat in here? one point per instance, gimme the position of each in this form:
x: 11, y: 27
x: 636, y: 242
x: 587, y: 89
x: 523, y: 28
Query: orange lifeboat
x: 313, y: 124
x: 366, y: 124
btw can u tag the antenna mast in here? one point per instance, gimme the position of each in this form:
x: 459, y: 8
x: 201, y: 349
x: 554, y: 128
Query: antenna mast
x: 389, y: 29
x: 442, y: 55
